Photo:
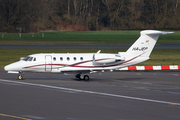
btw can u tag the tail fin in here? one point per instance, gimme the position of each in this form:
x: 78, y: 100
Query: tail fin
x: 145, y: 43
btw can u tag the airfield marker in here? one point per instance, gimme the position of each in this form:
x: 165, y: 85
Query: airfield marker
x: 42, y: 34
x: 171, y: 67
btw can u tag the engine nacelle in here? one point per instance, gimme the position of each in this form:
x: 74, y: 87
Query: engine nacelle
x: 106, y: 58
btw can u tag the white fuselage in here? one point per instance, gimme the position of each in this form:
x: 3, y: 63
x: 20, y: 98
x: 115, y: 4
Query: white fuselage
x: 54, y: 62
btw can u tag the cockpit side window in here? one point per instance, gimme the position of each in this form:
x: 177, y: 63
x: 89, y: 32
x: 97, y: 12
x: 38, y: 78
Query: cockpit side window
x: 29, y: 59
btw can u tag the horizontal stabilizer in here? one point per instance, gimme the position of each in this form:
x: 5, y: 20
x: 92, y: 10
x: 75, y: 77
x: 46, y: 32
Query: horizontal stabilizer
x: 155, y: 32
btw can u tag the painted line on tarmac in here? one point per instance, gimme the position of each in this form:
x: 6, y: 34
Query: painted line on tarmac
x: 12, y: 116
x: 92, y: 92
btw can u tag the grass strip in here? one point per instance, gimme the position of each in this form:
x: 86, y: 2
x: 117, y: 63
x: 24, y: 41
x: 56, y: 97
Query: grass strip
x: 81, y: 38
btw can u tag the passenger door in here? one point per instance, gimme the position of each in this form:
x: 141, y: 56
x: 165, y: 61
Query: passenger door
x: 48, y: 63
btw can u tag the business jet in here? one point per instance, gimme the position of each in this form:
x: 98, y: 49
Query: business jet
x: 83, y: 64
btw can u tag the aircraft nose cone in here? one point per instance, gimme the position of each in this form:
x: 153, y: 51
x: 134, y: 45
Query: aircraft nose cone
x: 12, y: 67
x: 6, y: 68
x: 9, y: 67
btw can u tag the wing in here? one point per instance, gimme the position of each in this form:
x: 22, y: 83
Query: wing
x: 88, y: 71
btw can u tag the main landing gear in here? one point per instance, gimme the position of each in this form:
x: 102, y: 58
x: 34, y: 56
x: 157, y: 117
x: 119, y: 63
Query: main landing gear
x: 20, y: 76
x: 82, y: 77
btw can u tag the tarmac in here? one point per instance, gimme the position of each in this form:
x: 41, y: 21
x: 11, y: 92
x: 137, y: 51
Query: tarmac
x: 125, y: 95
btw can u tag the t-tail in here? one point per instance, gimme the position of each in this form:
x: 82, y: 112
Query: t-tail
x: 142, y: 48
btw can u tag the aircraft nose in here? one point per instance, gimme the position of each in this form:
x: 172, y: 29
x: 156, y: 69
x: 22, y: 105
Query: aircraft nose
x: 12, y: 67
x: 7, y: 68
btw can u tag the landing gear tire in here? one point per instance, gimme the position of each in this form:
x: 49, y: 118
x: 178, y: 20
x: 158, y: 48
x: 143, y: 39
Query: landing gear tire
x: 86, y: 78
x: 20, y: 77
x: 80, y: 77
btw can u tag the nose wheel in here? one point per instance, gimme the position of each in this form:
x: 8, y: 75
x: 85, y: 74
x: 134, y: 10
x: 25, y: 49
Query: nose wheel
x: 20, y: 76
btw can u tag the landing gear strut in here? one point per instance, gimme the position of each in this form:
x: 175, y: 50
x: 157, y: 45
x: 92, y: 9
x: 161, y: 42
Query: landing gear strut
x: 20, y: 76
x: 82, y: 77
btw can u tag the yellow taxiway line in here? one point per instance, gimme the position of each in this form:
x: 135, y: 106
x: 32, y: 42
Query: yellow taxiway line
x: 12, y: 116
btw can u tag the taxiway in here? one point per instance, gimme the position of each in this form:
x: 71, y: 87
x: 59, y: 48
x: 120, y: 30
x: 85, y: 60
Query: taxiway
x: 110, y: 96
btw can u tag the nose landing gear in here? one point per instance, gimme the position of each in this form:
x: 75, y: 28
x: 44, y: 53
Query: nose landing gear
x: 20, y: 76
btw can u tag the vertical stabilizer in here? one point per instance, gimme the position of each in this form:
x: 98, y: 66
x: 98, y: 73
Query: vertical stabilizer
x: 145, y: 43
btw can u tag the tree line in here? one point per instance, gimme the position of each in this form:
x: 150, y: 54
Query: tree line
x: 38, y: 15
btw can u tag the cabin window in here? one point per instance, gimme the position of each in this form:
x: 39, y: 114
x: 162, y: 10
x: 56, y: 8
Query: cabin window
x: 81, y: 58
x: 61, y: 58
x: 34, y: 59
x: 68, y: 58
x: 54, y: 58
x: 74, y: 58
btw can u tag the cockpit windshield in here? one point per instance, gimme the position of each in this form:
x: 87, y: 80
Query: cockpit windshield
x: 28, y: 58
